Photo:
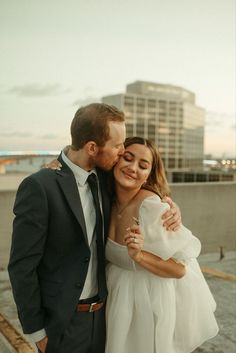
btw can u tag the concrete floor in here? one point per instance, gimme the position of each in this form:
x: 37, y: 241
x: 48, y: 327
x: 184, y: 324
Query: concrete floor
x: 224, y: 292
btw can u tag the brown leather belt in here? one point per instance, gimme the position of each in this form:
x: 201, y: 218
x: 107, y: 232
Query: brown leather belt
x: 89, y: 307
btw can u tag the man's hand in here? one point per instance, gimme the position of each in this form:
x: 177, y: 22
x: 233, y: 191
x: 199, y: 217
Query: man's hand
x: 42, y: 344
x: 54, y: 164
x: 172, y: 217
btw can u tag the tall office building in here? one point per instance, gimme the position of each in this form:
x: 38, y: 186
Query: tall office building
x: 168, y: 115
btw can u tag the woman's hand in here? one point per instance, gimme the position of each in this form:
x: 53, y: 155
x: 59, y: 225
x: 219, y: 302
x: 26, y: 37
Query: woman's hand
x: 172, y: 217
x: 134, y: 241
x: 54, y: 164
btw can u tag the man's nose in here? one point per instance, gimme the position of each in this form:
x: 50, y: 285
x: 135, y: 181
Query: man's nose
x: 122, y: 150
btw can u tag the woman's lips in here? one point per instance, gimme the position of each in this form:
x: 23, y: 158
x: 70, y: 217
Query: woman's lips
x: 128, y: 175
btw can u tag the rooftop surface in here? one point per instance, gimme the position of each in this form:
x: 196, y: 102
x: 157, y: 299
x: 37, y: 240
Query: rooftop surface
x: 223, y: 290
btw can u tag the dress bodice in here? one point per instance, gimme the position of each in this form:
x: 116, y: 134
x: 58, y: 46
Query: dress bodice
x: 117, y: 254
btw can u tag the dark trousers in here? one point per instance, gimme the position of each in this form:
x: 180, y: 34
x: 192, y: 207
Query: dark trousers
x: 84, y: 334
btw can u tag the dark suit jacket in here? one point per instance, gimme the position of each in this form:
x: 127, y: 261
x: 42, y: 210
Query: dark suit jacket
x: 50, y: 253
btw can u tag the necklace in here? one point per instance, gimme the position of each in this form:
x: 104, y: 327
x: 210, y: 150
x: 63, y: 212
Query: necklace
x: 120, y: 210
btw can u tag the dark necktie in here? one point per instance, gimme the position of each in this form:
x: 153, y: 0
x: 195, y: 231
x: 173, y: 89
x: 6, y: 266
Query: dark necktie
x: 102, y: 290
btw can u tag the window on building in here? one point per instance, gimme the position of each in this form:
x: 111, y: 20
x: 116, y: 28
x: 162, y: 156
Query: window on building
x: 151, y: 103
x: 171, y: 163
x: 177, y: 177
x: 200, y: 177
x: 189, y: 177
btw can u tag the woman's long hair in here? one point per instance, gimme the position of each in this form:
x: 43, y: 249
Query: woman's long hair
x: 156, y: 181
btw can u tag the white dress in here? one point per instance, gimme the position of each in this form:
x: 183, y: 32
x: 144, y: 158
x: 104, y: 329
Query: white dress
x: 150, y: 314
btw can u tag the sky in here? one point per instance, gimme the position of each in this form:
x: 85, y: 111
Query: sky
x: 58, y: 55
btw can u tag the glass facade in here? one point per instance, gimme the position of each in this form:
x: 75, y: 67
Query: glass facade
x: 167, y: 115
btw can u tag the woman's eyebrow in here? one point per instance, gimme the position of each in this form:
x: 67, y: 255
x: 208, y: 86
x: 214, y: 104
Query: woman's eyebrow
x: 142, y: 160
x: 130, y: 153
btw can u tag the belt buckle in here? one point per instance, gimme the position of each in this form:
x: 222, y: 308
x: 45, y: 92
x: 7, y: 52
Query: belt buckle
x: 91, y: 307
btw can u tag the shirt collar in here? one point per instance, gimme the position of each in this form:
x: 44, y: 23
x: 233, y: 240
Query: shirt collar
x: 80, y: 174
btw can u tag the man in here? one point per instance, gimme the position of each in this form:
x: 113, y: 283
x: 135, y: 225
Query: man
x: 57, y: 267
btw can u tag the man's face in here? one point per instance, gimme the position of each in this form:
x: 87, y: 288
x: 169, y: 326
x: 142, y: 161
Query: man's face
x: 109, y: 154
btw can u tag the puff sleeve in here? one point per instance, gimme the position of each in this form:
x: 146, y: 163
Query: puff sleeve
x: 181, y: 245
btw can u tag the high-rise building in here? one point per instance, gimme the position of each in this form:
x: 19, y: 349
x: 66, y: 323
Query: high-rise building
x: 169, y: 116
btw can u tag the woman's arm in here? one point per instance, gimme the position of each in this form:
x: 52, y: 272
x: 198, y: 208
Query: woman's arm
x: 163, y: 268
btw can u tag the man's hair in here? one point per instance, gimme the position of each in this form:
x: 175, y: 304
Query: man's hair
x: 90, y: 123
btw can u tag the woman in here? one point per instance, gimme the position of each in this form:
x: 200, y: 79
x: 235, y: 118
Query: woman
x: 158, y: 300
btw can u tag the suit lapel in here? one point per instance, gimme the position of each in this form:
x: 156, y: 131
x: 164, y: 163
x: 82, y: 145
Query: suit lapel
x: 67, y: 183
x: 106, y: 203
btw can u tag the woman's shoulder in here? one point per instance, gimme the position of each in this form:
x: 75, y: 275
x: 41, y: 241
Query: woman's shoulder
x: 146, y: 195
x: 151, y: 204
x: 149, y: 199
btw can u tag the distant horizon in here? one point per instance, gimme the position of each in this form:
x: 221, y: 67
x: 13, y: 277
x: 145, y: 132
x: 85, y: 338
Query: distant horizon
x: 6, y: 153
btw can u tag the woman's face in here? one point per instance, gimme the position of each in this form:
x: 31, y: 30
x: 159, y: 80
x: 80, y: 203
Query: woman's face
x: 133, y: 167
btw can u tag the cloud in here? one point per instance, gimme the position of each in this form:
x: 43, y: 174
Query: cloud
x: 81, y: 102
x: 27, y: 135
x: 38, y: 90
x: 219, y: 122
x: 233, y: 127
x: 219, y: 119
x: 49, y: 137
x: 21, y: 134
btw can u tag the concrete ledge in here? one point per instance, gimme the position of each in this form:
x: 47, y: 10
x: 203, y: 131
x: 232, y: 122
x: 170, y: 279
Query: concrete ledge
x: 16, y: 340
x: 219, y: 274
x: 5, y: 346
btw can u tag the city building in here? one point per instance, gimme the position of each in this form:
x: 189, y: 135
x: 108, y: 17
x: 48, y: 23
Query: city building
x: 169, y: 116
x: 15, y: 162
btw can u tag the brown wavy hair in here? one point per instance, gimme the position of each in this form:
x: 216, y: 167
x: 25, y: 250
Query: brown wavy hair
x: 156, y: 181
x: 91, y: 123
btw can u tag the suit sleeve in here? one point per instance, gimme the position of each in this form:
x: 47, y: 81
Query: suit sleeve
x: 28, y: 241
